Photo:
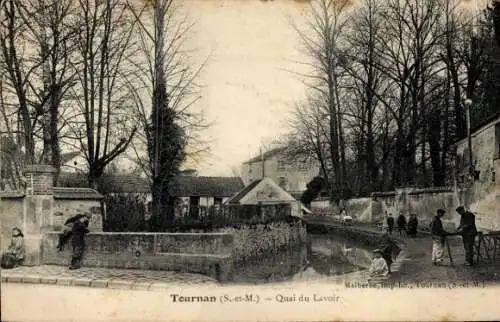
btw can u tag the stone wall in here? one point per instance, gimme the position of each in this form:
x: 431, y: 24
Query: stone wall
x: 422, y: 202
x: 67, y: 208
x: 485, y: 149
x: 208, y: 253
x: 42, y: 208
x: 482, y: 195
x: 11, y: 214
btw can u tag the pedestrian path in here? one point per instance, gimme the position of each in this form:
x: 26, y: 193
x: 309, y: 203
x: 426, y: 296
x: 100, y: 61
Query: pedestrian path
x: 414, y: 262
x: 104, y: 277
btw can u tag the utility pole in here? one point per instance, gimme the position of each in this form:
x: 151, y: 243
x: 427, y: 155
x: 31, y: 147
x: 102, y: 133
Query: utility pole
x: 262, y: 163
x: 468, y: 103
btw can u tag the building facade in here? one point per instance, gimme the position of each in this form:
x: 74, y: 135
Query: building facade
x: 480, y: 190
x: 292, y: 176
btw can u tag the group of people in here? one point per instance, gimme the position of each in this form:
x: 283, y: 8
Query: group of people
x: 382, y: 260
x: 75, y: 229
x: 466, y: 229
x: 409, y: 227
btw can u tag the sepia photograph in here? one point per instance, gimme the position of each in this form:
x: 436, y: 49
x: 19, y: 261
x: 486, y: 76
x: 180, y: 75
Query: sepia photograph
x: 249, y: 160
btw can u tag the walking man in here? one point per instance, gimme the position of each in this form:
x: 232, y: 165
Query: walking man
x: 78, y: 232
x: 413, y: 225
x: 438, y: 238
x: 401, y: 224
x: 390, y: 224
x: 467, y: 229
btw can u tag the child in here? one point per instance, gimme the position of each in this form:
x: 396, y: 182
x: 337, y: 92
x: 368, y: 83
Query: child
x: 389, y: 250
x: 378, y: 267
x: 15, y: 253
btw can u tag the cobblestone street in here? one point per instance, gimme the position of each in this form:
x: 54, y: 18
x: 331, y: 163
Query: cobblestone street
x: 103, y: 277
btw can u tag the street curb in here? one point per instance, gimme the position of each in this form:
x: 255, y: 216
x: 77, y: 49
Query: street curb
x: 85, y: 282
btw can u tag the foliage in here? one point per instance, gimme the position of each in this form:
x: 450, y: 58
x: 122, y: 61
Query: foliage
x: 313, y: 190
x: 125, y: 213
x: 387, y: 86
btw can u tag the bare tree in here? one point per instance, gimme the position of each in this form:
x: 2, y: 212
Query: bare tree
x: 164, y: 95
x: 17, y: 70
x: 104, y: 46
x: 322, y: 45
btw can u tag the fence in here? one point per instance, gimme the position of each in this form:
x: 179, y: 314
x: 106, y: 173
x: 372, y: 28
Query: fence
x: 211, y: 217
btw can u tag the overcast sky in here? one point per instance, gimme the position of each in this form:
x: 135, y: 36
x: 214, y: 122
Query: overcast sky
x: 249, y: 89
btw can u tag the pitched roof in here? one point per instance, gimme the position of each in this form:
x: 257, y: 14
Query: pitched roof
x: 76, y: 193
x: 184, y: 186
x: 236, y: 198
x: 206, y: 186
x: 266, y: 155
x: 125, y: 183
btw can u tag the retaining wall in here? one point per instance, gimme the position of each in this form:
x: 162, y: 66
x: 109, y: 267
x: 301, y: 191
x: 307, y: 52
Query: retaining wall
x: 208, y: 254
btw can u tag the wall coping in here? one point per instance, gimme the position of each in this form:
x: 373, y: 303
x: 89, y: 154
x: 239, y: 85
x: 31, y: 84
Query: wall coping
x: 39, y: 168
x: 147, y: 233
x: 383, y: 194
x: 430, y: 190
x: 412, y: 191
x: 12, y: 194
x: 76, y: 193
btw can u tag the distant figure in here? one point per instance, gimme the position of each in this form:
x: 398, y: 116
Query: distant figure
x: 14, y: 256
x: 78, y: 233
x: 413, y: 225
x: 468, y: 230
x: 378, y: 267
x: 390, y: 224
x: 438, y: 238
x: 401, y: 222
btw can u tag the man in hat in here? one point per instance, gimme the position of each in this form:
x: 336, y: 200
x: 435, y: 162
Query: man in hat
x: 78, y: 232
x: 438, y: 238
x: 467, y: 229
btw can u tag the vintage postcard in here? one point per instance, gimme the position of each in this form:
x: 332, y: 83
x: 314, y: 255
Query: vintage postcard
x: 249, y: 160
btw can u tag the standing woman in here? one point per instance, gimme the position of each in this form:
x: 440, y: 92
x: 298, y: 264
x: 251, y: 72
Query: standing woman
x: 412, y: 226
x: 401, y: 222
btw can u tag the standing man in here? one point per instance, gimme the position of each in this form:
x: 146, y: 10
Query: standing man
x: 390, y: 224
x: 78, y: 232
x: 467, y: 229
x: 401, y: 223
x: 412, y: 225
x: 438, y: 237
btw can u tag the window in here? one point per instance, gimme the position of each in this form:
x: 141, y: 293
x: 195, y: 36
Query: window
x: 281, y: 165
x: 303, y: 165
x: 283, y: 182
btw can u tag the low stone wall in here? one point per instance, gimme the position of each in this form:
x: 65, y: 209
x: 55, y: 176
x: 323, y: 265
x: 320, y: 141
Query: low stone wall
x: 364, y: 237
x: 208, y: 254
x: 359, y: 208
x: 257, y: 240
x: 422, y: 202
